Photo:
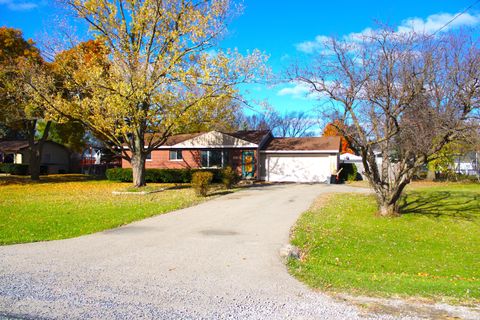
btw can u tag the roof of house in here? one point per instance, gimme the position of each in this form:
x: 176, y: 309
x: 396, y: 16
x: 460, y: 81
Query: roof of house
x: 304, y: 144
x: 13, y: 145
x: 253, y: 136
x: 17, y: 145
x: 178, y: 138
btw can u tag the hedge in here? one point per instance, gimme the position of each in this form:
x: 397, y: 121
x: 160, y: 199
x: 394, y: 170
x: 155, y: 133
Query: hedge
x: 20, y: 169
x: 14, y: 168
x: 349, y: 172
x: 160, y: 175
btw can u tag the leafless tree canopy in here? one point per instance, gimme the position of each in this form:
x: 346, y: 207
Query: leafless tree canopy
x: 405, y: 95
x: 289, y: 124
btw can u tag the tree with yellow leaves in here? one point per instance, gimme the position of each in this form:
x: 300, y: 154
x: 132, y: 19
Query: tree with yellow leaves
x: 151, y: 70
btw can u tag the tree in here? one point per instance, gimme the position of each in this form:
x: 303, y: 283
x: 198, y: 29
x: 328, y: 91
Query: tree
x: 338, y: 128
x: 406, y: 95
x: 289, y: 124
x: 150, y: 72
x: 220, y: 117
x: 20, y: 110
x: 294, y: 124
x: 71, y: 134
x: 256, y: 121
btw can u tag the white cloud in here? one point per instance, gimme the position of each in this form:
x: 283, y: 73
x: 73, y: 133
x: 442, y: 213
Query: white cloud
x: 436, y: 21
x: 298, y: 91
x: 431, y: 24
x: 312, y: 46
x: 20, y: 5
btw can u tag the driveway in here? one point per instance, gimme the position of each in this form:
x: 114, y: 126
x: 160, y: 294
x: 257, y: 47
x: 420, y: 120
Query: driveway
x: 215, y: 260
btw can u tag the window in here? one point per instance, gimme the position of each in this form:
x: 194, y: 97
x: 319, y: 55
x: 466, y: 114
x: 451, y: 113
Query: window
x: 175, y: 155
x: 214, y: 158
x: 149, y: 156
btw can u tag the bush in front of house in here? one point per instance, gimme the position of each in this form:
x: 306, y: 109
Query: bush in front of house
x: 349, y: 172
x: 201, y: 182
x: 14, y: 168
x: 161, y: 175
x: 229, y: 177
x: 119, y: 174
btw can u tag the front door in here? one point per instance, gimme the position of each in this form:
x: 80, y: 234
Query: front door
x: 248, y: 164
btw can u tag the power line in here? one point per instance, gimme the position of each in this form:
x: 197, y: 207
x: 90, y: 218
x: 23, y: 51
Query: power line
x: 455, y: 17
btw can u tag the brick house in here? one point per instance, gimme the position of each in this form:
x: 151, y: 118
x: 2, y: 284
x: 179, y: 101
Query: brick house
x: 252, y: 154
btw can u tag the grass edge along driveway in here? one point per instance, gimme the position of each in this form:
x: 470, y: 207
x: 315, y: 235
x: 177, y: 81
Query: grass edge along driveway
x: 68, y: 206
x: 431, y: 251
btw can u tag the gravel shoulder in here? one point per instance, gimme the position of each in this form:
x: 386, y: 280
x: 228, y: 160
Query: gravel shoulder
x: 217, y: 260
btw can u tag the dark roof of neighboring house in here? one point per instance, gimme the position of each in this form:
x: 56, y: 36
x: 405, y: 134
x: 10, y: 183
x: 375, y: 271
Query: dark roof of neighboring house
x: 13, y: 145
x: 17, y: 145
x: 253, y: 136
x: 304, y: 144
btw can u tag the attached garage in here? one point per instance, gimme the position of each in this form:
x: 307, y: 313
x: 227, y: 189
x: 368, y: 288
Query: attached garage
x: 301, y: 159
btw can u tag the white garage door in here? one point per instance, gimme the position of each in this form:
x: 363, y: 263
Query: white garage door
x: 298, y: 168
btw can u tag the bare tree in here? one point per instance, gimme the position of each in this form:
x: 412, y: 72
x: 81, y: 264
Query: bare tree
x: 289, y: 124
x: 255, y: 122
x: 295, y: 124
x: 405, y: 95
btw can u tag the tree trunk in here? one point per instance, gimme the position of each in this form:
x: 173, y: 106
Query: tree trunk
x: 35, y: 148
x: 138, y: 169
x: 34, y: 165
x: 138, y: 159
x: 388, y: 209
x: 430, y: 175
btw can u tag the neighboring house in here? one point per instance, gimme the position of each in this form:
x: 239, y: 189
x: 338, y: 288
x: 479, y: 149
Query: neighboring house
x: 55, y: 157
x: 356, y: 160
x: 96, y: 160
x: 252, y: 154
x: 468, y: 164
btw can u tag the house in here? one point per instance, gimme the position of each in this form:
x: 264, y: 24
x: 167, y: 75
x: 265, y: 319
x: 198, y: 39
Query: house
x: 55, y: 157
x: 468, y: 163
x: 252, y: 154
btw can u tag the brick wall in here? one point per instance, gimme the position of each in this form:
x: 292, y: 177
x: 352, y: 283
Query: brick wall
x: 191, y: 159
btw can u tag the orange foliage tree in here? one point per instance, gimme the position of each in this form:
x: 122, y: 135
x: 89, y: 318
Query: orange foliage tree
x: 335, y: 129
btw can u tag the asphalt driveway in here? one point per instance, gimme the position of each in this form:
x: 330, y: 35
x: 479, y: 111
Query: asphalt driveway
x: 215, y: 260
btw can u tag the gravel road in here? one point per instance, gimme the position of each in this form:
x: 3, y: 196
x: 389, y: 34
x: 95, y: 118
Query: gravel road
x: 217, y: 260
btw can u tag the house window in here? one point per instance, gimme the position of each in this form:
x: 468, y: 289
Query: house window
x: 149, y: 156
x: 175, y: 155
x: 214, y: 158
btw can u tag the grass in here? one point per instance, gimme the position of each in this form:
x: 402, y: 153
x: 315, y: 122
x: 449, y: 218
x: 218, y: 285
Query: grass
x: 67, y: 206
x: 431, y: 251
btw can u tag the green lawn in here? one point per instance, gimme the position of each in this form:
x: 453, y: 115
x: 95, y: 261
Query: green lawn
x: 68, y: 206
x: 432, y: 250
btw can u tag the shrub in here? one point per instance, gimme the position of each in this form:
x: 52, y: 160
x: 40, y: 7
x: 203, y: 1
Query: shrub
x: 201, y: 182
x: 229, y: 177
x: 160, y: 175
x: 119, y: 174
x: 349, y: 172
x: 14, y: 168
x: 44, y: 170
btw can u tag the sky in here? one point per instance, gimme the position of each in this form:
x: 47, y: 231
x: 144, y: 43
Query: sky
x: 287, y: 31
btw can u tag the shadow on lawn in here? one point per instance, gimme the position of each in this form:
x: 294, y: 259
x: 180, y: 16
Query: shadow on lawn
x: 456, y: 204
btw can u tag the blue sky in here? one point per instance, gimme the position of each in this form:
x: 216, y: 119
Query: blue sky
x: 285, y: 30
